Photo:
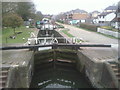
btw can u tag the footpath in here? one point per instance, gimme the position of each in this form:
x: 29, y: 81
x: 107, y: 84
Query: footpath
x: 89, y: 36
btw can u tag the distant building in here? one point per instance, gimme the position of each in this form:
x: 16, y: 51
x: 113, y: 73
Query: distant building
x: 105, y: 18
x: 78, y: 11
x: 76, y: 16
x: 116, y: 21
x: 79, y: 18
x: 110, y: 9
x: 95, y: 14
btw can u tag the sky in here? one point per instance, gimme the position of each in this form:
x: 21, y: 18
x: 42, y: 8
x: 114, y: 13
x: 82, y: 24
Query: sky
x: 57, y: 6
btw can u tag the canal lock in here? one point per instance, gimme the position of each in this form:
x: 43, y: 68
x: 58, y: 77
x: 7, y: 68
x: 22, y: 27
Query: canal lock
x: 57, y: 68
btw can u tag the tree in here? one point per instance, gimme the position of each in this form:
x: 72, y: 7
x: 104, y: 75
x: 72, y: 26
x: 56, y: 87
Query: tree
x: 12, y: 20
x: 8, y: 7
x: 38, y: 16
x: 25, y: 10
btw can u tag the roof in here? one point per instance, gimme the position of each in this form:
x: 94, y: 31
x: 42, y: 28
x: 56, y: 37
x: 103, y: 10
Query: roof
x: 111, y: 8
x: 76, y: 11
x: 79, y: 11
x: 95, y: 12
x: 104, y: 13
x: 78, y: 16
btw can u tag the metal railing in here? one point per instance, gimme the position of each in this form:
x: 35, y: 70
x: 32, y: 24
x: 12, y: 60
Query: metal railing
x: 51, y: 40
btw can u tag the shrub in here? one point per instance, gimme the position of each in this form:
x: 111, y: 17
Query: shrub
x: 31, y: 26
x: 60, y: 21
x: 89, y: 26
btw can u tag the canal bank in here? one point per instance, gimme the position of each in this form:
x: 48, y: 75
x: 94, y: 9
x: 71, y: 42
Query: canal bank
x: 100, y: 66
x: 17, y: 68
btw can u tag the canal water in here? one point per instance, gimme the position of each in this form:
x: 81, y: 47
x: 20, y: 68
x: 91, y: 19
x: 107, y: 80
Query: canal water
x: 58, y: 74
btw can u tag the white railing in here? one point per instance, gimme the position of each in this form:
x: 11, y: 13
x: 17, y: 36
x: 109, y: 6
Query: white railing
x: 51, y: 40
x: 108, y: 32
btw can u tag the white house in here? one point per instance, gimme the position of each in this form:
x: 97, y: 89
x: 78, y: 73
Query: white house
x: 104, y: 18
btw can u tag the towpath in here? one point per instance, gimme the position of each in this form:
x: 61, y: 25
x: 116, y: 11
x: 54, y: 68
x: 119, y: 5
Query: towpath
x: 89, y: 36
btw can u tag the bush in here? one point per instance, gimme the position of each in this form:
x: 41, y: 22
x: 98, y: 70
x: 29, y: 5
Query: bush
x: 31, y: 26
x: 60, y: 21
x: 89, y: 26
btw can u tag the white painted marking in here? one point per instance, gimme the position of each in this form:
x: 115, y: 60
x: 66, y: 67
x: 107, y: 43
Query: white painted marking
x: 44, y: 48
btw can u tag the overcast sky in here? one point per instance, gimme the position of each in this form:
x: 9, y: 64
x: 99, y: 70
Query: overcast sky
x: 57, y: 6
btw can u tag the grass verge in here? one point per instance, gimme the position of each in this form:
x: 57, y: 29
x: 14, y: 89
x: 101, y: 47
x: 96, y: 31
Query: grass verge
x: 110, y: 28
x: 8, y: 32
x: 67, y: 33
x: 71, y: 36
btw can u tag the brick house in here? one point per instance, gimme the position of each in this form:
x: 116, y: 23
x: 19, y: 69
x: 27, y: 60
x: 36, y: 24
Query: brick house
x: 76, y: 16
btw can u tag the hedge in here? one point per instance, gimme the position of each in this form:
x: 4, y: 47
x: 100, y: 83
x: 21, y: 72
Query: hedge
x: 89, y: 26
